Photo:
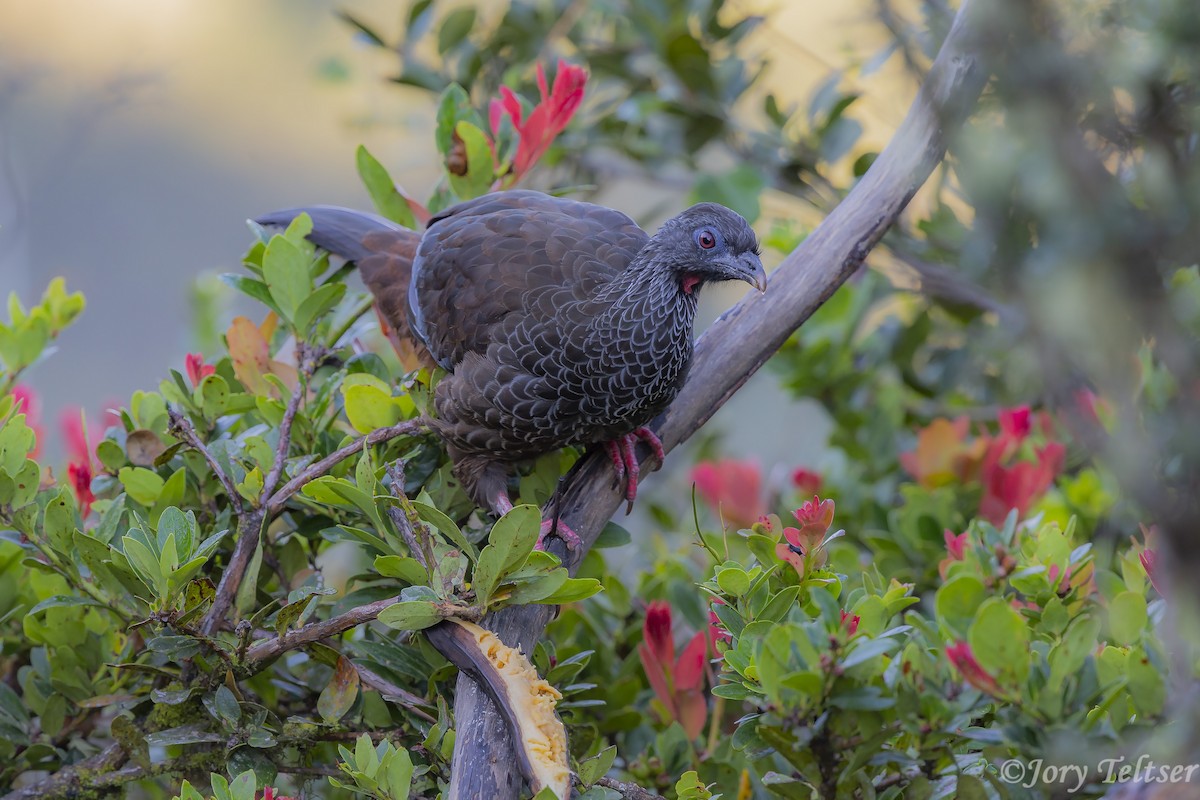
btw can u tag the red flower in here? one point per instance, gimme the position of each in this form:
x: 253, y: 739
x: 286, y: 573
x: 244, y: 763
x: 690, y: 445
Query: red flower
x: 26, y: 402
x: 803, y: 546
x: 963, y: 659
x: 268, y: 793
x: 807, y: 481
x: 197, y: 370
x: 1018, y: 486
x: 79, y: 468
x: 850, y: 623
x: 732, y: 489
x: 1016, y: 423
x: 678, y: 685
x: 546, y: 121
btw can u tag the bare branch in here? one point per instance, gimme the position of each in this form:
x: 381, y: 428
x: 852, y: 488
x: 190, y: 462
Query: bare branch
x: 307, y: 366
x: 391, y: 691
x: 629, y: 791
x: 249, y: 532
x: 182, y: 428
x: 735, y: 347
x: 268, y: 649
x: 317, y: 469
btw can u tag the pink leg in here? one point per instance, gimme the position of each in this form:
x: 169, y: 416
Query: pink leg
x: 502, y: 505
x: 617, y: 456
x: 622, y: 451
x: 652, y: 441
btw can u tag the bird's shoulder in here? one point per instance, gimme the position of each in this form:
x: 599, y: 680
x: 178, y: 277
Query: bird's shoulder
x: 512, y: 258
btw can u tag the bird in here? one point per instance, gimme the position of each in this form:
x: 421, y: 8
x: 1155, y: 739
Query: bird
x: 558, y: 322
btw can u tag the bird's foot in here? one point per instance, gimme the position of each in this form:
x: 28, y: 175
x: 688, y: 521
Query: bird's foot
x: 550, y: 527
x: 622, y: 452
x: 556, y: 527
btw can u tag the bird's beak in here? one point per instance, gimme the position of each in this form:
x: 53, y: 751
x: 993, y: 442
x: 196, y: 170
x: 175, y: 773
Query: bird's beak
x: 750, y: 269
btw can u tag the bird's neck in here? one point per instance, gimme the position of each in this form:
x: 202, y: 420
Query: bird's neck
x: 651, y: 290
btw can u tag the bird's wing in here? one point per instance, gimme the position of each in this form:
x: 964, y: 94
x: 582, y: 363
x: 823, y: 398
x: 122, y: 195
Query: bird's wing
x: 515, y: 252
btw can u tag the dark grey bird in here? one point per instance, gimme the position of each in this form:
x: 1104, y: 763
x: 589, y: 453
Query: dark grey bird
x: 559, y: 322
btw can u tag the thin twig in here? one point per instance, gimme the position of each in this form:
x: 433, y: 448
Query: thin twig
x: 268, y: 649
x: 307, y: 367
x: 319, y: 468
x: 182, y: 428
x: 403, y: 517
x: 629, y: 791
x: 250, y: 527
x: 391, y: 691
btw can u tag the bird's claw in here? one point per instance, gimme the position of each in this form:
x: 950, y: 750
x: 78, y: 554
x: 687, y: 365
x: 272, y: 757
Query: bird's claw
x: 622, y: 452
x: 556, y: 527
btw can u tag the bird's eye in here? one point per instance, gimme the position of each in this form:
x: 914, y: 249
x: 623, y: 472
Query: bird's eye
x: 706, y: 239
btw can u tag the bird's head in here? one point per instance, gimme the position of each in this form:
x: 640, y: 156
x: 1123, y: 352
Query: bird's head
x: 709, y: 242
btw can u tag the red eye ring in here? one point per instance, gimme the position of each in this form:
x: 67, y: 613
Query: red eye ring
x: 706, y: 240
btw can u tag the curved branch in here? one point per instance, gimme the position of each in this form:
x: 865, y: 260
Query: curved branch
x: 726, y: 356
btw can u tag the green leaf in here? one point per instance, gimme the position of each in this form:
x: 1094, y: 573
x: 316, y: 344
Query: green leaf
x: 212, y: 395
x: 339, y: 695
x: 17, y: 440
x: 387, y: 199
x: 402, y: 568
x: 455, y: 27
x: 956, y: 603
x: 1127, y: 618
x: 538, y: 589
x: 224, y: 706
x: 480, y: 166
x: 141, y: 484
x: 410, y: 615
x: 254, y: 289
x: 59, y: 522
x: 999, y: 639
x: 291, y: 612
x: 515, y: 535
x: 446, y: 526
x: 285, y: 269
x: 573, y: 590
x: 318, y: 304
x: 368, y: 407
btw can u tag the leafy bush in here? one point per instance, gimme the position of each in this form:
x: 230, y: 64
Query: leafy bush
x: 226, y: 585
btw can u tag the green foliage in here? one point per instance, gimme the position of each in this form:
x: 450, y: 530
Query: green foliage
x: 194, y: 592
x: 380, y: 771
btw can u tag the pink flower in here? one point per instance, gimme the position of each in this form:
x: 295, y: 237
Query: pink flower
x: 546, y: 121
x: 26, y: 402
x: 963, y: 659
x: 732, y: 489
x: 678, y: 685
x: 197, y: 370
x: 1149, y: 559
x: 802, y: 547
x: 850, y: 622
x: 807, y: 481
x: 956, y: 550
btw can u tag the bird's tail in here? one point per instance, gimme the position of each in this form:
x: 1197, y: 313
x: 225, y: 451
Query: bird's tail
x: 384, y: 253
